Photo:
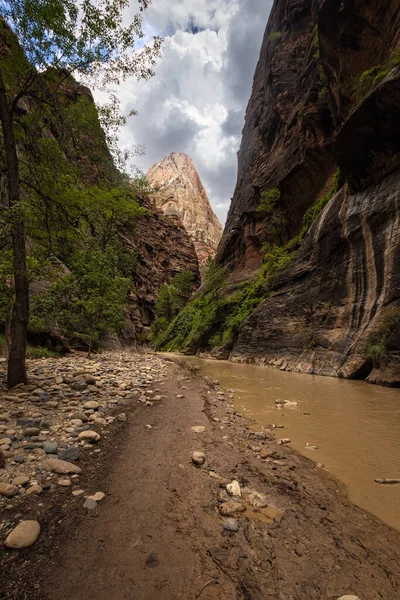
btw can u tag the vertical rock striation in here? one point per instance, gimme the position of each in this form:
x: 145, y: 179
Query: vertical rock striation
x: 179, y: 190
x: 326, y: 95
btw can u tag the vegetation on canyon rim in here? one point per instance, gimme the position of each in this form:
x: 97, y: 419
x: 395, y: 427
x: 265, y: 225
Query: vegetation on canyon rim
x: 43, y: 45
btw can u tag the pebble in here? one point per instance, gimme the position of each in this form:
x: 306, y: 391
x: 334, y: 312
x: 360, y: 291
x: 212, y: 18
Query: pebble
x: 60, y: 466
x: 23, y: 535
x: 77, y: 492
x: 198, y: 429
x: 230, y: 525
x: 198, y: 458
x: 349, y: 597
x: 64, y: 482
x: 228, y: 509
x: 89, y: 436
x: 97, y: 497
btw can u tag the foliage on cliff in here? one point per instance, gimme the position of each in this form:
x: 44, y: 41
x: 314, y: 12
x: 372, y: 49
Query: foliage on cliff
x: 213, y: 319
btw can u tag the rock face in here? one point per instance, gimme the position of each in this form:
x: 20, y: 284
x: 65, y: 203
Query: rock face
x: 326, y: 95
x: 179, y: 191
x: 162, y: 248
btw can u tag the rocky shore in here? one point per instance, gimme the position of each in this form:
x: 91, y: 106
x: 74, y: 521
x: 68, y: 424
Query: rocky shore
x: 129, y: 476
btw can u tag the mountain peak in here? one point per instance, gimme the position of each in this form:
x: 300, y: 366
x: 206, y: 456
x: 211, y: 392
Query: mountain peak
x: 178, y: 190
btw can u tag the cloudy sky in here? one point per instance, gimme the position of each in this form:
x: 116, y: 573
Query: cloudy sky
x: 197, y: 99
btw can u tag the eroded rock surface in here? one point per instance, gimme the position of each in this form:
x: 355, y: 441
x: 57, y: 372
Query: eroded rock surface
x: 315, y: 108
x: 180, y: 192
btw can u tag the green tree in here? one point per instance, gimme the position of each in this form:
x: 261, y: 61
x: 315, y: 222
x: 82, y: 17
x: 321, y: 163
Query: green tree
x: 89, y: 301
x: 58, y: 38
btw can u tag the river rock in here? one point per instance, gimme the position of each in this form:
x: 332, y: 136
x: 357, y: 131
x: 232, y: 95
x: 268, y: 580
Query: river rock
x: 8, y: 490
x: 31, y: 431
x: 20, y: 480
x: 230, y: 525
x: 70, y: 454
x: 91, y: 405
x: 284, y: 441
x: 89, y: 436
x: 254, y: 498
x: 23, y: 535
x: 79, y: 386
x: 79, y: 416
x: 60, y: 466
x: 34, y: 490
x: 233, y: 488
x: 229, y: 509
x: 349, y: 597
x: 198, y: 458
x: 50, y: 447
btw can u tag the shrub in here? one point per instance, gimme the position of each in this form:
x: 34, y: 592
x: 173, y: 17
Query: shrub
x: 275, y: 36
x: 313, y: 212
x: 269, y: 200
x: 38, y: 352
x: 376, y: 347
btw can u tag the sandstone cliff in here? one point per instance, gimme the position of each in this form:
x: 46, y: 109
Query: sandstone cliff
x: 180, y: 191
x: 326, y: 95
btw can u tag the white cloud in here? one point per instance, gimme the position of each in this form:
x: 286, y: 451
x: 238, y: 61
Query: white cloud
x: 196, y: 101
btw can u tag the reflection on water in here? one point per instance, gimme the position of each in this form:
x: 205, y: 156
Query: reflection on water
x: 355, y: 426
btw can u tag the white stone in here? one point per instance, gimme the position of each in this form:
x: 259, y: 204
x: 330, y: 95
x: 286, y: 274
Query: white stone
x: 233, y: 488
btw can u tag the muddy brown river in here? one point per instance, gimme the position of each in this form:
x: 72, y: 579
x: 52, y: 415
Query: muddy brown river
x: 355, y: 426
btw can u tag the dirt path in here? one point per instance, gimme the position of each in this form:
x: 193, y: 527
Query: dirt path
x: 158, y: 535
x: 137, y: 545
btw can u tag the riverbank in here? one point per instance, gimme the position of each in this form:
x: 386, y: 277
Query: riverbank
x: 159, y: 531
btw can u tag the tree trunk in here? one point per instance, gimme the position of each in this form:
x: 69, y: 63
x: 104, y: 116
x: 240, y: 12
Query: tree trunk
x: 20, y: 315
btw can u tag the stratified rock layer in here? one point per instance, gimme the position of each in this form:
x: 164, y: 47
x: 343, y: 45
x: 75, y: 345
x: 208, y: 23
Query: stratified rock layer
x: 315, y: 108
x: 180, y: 191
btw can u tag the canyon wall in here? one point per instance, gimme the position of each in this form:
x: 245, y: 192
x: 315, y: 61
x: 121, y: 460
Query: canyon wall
x: 326, y: 96
x: 179, y: 191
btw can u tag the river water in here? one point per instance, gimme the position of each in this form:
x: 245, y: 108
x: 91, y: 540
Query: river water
x: 355, y: 426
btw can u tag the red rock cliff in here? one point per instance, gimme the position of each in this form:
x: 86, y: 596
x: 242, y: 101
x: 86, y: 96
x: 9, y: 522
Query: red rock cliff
x: 326, y: 94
